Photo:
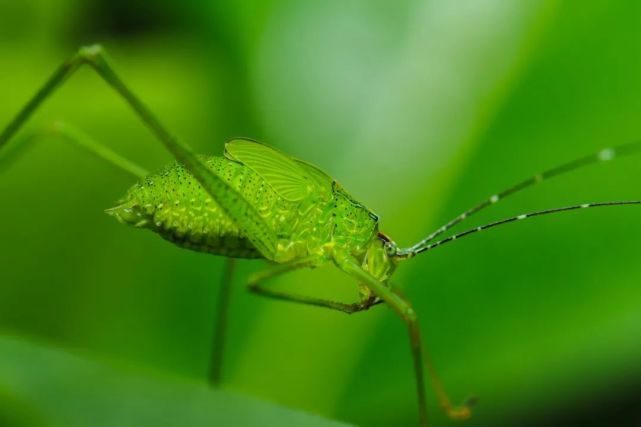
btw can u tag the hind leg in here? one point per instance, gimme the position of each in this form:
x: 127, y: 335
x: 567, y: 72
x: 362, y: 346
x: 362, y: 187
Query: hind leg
x: 75, y: 137
x: 231, y: 202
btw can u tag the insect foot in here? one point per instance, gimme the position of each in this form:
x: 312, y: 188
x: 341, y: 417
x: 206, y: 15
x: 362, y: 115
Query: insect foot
x: 462, y: 412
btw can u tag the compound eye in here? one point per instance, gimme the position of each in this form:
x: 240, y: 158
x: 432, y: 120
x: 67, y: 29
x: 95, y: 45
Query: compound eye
x: 373, y: 216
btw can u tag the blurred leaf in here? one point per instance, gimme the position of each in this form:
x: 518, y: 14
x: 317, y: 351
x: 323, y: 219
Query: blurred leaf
x: 71, y: 390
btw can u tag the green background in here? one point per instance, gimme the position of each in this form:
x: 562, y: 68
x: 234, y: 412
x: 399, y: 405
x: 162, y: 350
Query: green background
x: 420, y: 109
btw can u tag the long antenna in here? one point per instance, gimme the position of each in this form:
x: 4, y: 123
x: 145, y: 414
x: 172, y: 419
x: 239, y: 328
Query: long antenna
x: 603, y: 155
x: 410, y: 252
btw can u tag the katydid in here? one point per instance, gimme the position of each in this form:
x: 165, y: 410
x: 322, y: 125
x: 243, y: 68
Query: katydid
x: 256, y: 202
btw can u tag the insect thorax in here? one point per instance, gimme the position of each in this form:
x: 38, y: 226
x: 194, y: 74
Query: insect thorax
x: 354, y: 225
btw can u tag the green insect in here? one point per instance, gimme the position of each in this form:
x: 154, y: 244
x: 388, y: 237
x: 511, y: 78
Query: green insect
x: 255, y: 202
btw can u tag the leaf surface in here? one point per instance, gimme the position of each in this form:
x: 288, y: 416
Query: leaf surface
x: 52, y: 387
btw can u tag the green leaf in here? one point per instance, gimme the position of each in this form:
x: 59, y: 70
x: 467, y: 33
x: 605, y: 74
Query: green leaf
x: 43, y: 386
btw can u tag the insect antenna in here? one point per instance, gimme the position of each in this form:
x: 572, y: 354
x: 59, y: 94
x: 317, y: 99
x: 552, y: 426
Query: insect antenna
x: 410, y: 252
x: 602, y: 155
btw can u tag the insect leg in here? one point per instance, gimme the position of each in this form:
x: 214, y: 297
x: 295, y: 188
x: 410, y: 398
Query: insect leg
x: 231, y: 202
x: 77, y: 138
x: 407, y: 314
x: 220, y: 324
x: 256, y: 286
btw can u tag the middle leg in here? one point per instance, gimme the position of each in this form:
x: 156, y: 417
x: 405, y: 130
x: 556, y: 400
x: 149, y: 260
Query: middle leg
x: 220, y: 324
x: 256, y: 285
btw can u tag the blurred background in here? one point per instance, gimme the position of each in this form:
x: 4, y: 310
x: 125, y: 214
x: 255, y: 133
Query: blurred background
x: 420, y: 109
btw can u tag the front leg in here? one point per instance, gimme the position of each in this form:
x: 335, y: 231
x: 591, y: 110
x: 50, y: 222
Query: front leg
x: 407, y: 314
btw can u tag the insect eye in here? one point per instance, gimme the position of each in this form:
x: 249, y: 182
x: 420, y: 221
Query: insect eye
x: 373, y: 216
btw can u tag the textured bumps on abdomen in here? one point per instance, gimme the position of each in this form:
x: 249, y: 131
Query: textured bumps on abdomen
x: 173, y: 204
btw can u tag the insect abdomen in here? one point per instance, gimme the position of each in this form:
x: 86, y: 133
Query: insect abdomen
x: 173, y: 204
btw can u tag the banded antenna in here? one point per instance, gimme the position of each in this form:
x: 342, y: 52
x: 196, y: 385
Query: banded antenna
x: 603, y: 155
x: 410, y: 253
